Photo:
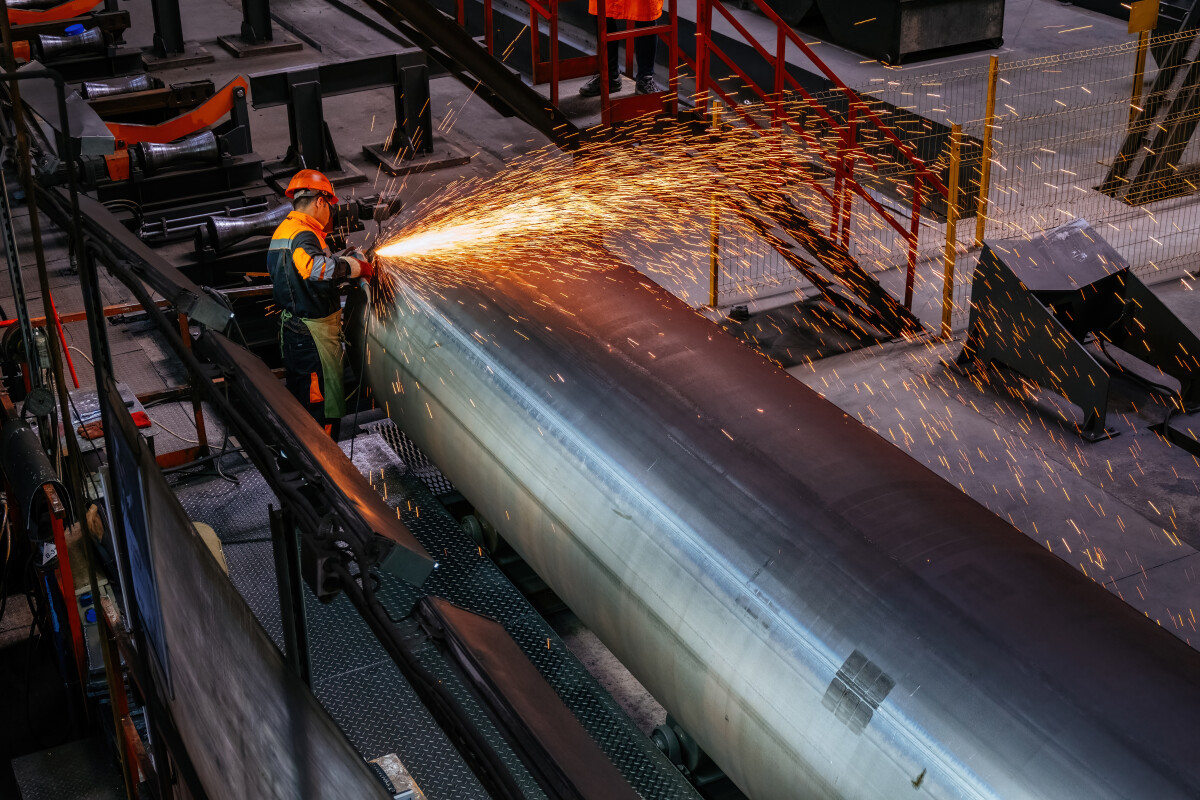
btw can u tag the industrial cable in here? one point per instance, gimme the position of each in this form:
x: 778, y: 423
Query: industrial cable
x: 173, y: 433
x: 85, y: 355
x: 225, y: 441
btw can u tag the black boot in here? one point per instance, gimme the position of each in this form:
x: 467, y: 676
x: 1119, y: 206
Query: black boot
x: 592, y: 87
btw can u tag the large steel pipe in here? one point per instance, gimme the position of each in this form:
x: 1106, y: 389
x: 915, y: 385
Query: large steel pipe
x: 825, y: 615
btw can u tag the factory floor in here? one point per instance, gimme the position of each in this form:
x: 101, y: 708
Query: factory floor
x: 1126, y: 511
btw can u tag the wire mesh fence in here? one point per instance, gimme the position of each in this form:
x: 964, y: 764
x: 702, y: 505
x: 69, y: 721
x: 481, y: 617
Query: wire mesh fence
x: 1059, y: 127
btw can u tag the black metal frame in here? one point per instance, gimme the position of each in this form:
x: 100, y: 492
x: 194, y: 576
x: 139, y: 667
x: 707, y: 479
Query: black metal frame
x: 302, y: 91
x: 158, y: 719
x: 285, y: 544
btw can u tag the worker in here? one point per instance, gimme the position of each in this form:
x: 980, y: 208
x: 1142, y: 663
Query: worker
x: 305, y: 278
x: 644, y: 13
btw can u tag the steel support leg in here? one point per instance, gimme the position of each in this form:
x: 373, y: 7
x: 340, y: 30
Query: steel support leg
x: 256, y: 21
x: 168, y: 28
x: 286, y: 545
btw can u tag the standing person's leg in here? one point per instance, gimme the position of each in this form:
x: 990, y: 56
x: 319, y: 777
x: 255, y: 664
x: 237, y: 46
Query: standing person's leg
x: 592, y: 87
x: 302, y: 369
x: 644, y: 49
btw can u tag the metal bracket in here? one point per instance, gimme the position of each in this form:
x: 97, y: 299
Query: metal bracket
x: 169, y: 50
x: 256, y: 37
x: 286, y: 545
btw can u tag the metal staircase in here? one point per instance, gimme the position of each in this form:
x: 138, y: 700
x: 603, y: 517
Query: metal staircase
x: 1146, y: 167
x: 860, y: 135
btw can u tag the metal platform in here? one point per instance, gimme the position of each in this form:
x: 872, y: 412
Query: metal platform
x: 356, y: 680
x: 79, y: 770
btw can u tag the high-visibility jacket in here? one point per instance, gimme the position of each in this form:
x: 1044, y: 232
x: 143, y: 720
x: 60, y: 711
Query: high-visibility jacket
x: 636, y: 10
x: 303, y: 273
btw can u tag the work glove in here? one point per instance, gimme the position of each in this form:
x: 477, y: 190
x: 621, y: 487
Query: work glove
x: 358, y: 265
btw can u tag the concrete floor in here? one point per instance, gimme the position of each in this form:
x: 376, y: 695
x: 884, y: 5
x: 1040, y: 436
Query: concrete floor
x: 1124, y: 511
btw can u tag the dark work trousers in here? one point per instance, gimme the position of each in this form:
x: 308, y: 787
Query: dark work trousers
x: 300, y: 363
x: 644, y: 48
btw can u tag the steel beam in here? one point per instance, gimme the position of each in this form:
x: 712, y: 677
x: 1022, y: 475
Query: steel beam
x: 450, y: 45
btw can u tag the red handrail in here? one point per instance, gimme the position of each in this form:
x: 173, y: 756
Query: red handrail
x: 847, y: 154
x: 787, y: 34
x: 847, y: 151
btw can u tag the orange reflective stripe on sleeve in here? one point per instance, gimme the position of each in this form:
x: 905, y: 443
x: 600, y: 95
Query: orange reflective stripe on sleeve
x: 303, y: 262
x: 314, y: 389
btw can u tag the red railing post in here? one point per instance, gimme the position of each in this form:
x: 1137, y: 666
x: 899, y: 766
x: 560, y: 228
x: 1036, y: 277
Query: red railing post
x: 602, y: 58
x: 487, y: 27
x: 780, y: 78
x: 554, y: 65
x: 703, y: 24
x: 629, y: 48
x: 914, y: 233
x: 673, y: 55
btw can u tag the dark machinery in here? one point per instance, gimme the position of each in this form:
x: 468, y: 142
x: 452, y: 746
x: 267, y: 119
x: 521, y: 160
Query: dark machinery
x: 893, y: 31
x: 1148, y: 165
x: 826, y: 617
x: 1037, y: 305
x: 409, y: 147
x: 79, y: 42
x: 218, y: 154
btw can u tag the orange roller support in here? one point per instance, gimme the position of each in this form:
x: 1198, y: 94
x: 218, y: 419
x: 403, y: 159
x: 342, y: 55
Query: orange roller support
x: 198, y: 118
x: 72, y: 8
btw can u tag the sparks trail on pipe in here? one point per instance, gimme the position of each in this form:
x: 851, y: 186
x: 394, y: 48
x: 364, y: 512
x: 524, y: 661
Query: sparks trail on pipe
x: 649, y: 192
x: 656, y: 193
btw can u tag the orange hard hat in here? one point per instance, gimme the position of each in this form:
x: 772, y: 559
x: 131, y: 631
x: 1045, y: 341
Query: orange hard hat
x: 310, y: 180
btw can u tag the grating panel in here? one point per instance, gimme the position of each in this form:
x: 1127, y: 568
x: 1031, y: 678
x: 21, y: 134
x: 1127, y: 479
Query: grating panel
x: 382, y: 715
x: 468, y: 578
x: 362, y: 689
x: 355, y: 679
x: 437, y: 483
x: 80, y: 769
x: 252, y: 570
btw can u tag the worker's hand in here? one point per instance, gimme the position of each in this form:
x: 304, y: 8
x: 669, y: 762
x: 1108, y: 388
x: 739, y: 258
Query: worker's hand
x: 358, y: 266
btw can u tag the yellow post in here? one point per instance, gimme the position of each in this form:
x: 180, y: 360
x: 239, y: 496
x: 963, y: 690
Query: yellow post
x: 714, y: 256
x: 951, y: 228
x: 714, y: 227
x: 1143, y: 18
x: 985, y: 168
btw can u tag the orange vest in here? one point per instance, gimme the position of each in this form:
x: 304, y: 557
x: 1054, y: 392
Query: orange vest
x: 636, y: 10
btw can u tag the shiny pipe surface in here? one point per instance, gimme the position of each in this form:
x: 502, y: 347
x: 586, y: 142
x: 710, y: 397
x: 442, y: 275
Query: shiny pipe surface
x: 827, y: 617
x: 50, y: 47
x: 202, y: 147
x: 127, y: 85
